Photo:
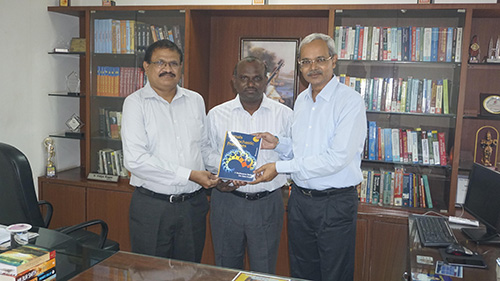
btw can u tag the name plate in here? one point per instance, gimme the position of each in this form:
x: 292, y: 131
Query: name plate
x: 102, y: 177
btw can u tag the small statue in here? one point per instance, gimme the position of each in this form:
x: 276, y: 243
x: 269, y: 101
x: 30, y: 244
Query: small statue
x: 474, y: 50
x: 49, y: 146
x: 487, y: 145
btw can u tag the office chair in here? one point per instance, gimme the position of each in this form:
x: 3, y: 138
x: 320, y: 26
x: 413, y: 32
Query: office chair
x: 18, y: 202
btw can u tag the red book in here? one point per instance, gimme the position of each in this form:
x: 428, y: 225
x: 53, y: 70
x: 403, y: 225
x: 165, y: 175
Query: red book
x: 414, y: 43
x: 405, y: 146
x: 379, y: 142
x: 442, y: 44
x: 442, y: 149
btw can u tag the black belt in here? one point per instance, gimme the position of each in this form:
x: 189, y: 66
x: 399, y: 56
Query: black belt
x: 252, y: 196
x: 322, y: 193
x: 174, y: 198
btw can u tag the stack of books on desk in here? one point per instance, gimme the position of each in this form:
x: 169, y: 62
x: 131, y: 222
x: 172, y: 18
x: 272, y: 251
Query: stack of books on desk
x: 28, y: 262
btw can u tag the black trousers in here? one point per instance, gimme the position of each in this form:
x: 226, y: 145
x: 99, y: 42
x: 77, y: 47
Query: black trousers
x: 239, y: 224
x: 322, y: 235
x: 170, y: 230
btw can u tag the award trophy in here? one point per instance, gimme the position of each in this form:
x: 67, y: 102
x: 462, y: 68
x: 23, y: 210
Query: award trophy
x: 49, y: 146
x: 73, y: 84
x: 474, y: 50
x: 494, y: 52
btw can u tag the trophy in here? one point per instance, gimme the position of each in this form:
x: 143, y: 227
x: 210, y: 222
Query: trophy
x: 474, y: 50
x: 73, y: 84
x: 494, y: 51
x: 49, y: 146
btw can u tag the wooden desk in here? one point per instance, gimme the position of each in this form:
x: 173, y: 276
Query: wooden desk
x: 130, y: 266
x: 489, y: 252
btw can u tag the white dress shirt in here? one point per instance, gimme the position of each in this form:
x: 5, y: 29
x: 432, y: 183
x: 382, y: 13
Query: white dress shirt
x: 162, y: 141
x: 271, y: 116
x: 328, y: 137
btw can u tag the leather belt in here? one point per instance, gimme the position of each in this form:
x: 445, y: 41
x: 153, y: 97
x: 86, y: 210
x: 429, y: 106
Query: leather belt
x: 252, y: 196
x: 174, y: 198
x: 322, y: 193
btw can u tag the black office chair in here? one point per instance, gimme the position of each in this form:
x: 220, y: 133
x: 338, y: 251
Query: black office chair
x: 18, y: 202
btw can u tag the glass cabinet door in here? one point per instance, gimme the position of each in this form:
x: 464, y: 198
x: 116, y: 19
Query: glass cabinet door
x: 118, y: 44
x: 406, y: 65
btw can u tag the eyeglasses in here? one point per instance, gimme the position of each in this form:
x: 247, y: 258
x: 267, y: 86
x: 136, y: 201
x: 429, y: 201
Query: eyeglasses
x: 319, y: 61
x: 161, y: 64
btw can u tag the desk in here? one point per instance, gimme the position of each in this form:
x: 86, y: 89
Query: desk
x: 71, y: 257
x: 490, y: 253
x: 130, y: 266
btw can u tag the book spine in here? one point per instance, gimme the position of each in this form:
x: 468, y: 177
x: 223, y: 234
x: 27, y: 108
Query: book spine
x: 442, y: 149
x: 458, y: 52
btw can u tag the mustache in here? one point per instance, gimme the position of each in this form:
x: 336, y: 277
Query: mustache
x: 167, y: 73
x: 314, y: 72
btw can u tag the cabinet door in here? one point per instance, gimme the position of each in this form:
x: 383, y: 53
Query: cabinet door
x: 119, y: 40
x: 362, y: 250
x: 404, y: 64
x: 388, y: 244
x: 68, y: 202
x: 113, y: 208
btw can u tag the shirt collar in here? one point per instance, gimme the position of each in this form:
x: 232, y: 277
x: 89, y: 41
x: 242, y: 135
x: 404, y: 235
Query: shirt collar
x: 327, y: 92
x: 236, y: 102
x: 149, y: 92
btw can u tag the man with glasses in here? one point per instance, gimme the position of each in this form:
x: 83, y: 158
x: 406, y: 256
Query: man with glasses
x: 248, y: 217
x: 328, y: 134
x: 164, y: 138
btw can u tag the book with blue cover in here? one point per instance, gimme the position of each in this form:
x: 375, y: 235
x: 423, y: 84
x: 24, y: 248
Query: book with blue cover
x: 239, y: 157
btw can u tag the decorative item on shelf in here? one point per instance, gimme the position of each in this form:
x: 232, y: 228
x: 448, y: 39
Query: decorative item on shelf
x: 73, y: 84
x: 74, y: 124
x: 64, y: 3
x: 494, y: 52
x: 50, y: 167
x: 108, y: 3
x: 489, y: 105
x: 77, y: 45
x: 474, y: 53
x: 486, y: 146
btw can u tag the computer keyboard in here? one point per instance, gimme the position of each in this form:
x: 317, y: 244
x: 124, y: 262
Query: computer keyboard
x: 434, y: 231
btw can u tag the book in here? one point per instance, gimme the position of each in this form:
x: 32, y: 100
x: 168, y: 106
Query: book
x: 17, y: 260
x: 43, y: 271
x: 239, y: 156
x: 427, y: 189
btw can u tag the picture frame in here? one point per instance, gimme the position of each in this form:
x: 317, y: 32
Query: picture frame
x: 279, y: 54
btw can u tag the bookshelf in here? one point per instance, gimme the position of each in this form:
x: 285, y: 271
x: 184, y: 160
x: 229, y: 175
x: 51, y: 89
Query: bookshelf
x: 210, y: 40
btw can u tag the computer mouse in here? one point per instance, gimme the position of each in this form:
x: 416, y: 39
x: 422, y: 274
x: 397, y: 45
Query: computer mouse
x: 458, y: 250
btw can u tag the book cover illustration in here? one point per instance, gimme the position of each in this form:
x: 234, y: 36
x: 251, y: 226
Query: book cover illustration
x: 20, y: 259
x: 239, y: 157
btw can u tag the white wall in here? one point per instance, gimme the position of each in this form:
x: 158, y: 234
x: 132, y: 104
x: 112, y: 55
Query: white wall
x: 28, y: 74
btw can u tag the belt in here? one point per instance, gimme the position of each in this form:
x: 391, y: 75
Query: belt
x: 174, y: 198
x: 252, y: 196
x: 322, y: 193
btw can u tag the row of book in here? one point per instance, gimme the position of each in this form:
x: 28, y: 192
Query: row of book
x: 110, y: 162
x: 110, y: 123
x: 409, y: 43
x: 405, y: 145
x: 400, y: 95
x: 395, y: 188
x: 114, y: 81
x: 129, y: 36
x: 28, y: 262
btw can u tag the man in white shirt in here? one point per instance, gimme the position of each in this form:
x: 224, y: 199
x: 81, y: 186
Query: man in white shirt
x: 328, y: 135
x: 164, y: 136
x: 248, y: 216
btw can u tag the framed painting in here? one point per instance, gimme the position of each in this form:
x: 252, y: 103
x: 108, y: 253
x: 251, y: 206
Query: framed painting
x: 279, y: 54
